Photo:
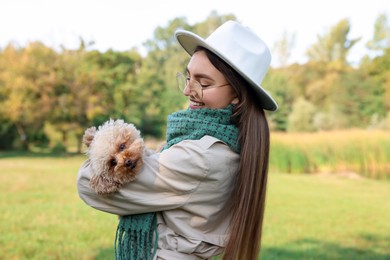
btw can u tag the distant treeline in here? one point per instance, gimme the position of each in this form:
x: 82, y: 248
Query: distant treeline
x: 49, y: 96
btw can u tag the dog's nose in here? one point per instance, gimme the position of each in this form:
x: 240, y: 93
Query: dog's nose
x: 129, y: 164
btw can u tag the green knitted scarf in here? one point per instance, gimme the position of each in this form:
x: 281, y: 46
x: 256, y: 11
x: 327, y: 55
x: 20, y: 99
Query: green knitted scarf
x: 134, y: 235
x: 193, y: 124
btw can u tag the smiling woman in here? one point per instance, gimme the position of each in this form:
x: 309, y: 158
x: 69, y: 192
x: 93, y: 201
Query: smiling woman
x: 205, y: 89
x: 204, y: 194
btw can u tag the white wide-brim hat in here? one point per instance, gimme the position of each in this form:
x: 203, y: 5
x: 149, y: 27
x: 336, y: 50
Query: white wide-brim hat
x: 239, y: 47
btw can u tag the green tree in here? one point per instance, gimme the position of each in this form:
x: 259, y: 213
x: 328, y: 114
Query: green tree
x: 158, y: 93
x: 279, y: 83
x: 283, y: 48
x: 378, y: 71
x: 78, y: 98
x: 358, y: 98
x: 334, y: 45
x: 381, y: 38
x: 27, y: 80
x: 117, y: 76
x: 301, y: 117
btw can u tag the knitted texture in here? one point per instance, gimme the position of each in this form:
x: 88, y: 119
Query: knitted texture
x: 193, y: 124
x: 134, y: 235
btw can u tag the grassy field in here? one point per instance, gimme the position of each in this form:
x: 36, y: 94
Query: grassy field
x: 307, y: 216
x: 327, y: 217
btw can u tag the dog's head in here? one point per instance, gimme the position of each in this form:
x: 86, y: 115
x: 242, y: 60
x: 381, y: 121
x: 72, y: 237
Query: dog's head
x: 115, y: 151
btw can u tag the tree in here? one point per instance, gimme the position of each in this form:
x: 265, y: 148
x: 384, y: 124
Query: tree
x: 381, y: 38
x: 334, y: 45
x: 117, y: 77
x: 378, y: 71
x: 158, y: 93
x: 301, y: 117
x: 283, y: 89
x: 283, y: 48
x: 77, y: 96
x: 27, y: 87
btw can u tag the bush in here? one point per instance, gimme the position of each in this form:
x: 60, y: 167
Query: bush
x: 8, y: 136
x: 58, y: 148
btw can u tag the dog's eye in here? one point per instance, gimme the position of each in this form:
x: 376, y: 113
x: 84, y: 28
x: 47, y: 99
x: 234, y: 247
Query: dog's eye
x: 122, y: 147
x: 113, y: 162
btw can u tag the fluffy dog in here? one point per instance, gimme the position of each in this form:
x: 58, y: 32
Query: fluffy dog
x: 115, y: 151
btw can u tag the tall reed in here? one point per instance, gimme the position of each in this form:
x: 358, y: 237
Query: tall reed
x: 363, y: 152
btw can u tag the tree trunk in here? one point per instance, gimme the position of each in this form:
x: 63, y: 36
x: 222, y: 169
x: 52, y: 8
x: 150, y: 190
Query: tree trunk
x: 64, y: 134
x: 23, y: 137
x: 79, y: 143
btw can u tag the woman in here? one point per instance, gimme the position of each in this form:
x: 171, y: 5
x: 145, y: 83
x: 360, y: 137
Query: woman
x: 208, y: 184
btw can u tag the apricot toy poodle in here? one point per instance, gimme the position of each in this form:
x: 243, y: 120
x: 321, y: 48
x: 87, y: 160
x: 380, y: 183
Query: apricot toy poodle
x: 115, y: 152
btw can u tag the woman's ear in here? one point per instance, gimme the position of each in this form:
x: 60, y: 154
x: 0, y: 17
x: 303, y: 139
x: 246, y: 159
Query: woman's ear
x: 234, y: 101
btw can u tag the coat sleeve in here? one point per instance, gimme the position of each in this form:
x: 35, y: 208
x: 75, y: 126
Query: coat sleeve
x: 165, y: 182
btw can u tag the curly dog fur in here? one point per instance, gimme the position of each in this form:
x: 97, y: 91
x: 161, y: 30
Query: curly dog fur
x: 115, y: 151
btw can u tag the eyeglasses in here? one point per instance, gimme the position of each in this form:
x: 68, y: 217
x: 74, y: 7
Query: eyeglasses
x: 196, y: 88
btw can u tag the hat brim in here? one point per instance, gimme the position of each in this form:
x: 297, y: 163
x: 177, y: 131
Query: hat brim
x: 190, y: 41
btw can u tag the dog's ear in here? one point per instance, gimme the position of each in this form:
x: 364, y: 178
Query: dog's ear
x: 88, y: 136
x: 103, y: 184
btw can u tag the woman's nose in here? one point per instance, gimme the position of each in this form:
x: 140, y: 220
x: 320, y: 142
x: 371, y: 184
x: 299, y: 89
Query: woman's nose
x: 187, y: 90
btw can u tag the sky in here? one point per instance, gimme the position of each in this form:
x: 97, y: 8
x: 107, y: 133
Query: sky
x: 123, y: 24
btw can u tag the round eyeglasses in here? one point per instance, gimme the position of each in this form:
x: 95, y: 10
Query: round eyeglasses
x: 196, y: 89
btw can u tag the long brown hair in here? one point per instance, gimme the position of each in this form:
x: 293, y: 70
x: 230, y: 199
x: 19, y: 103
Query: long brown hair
x: 249, y: 191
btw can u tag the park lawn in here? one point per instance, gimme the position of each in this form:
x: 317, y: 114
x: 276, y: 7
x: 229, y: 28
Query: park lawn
x: 326, y: 217
x: 42, y: 215
x: 307, y: 216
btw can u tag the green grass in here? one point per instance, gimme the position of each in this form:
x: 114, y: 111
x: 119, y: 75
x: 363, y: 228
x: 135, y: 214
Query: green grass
x: 307, y: 216
x: 326, y: 217
x: 42, y: 216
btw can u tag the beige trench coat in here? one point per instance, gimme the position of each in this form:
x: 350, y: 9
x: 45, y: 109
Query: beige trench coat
x: 189, y: 185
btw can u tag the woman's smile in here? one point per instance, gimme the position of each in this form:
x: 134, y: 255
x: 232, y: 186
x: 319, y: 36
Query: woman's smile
x: 195, y: 104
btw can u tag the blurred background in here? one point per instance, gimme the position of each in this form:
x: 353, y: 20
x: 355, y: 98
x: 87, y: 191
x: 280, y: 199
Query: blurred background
x: 68, y: 65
